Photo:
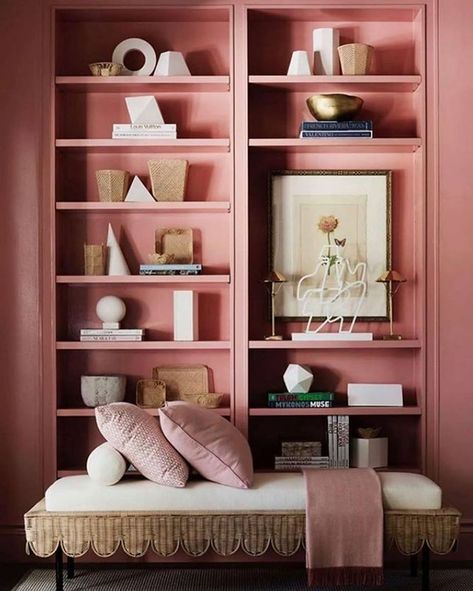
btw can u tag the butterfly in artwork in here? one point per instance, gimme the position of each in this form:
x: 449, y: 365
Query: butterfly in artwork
x: 341, y: 242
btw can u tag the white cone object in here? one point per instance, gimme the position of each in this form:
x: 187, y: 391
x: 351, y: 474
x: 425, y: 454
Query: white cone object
x: 325, y: 45
x: 116, y: 263
x: 143, y: 109
x: 298, y: 378
x: 299, y: 65
x: 138, y: 192
x: 172, y: 63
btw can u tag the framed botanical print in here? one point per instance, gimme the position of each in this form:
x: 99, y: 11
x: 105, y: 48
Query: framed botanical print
x: 321, y: 217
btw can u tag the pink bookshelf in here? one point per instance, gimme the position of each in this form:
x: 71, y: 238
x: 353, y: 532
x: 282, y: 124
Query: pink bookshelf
x: 140, y: 279
x: 119, y: 84
x: 347, y: 410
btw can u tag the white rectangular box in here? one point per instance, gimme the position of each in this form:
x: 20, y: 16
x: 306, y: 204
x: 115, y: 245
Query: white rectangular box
x: 374, y: 395
x: 369, y: 453
x: 185, y: 316
x: 325, y: 45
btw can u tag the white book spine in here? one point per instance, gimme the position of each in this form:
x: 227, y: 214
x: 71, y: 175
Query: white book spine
x: 144, y: 127
x: 347, y: 441
x: 111, y: 331
x: 147, y: 135
x: 330, y: 439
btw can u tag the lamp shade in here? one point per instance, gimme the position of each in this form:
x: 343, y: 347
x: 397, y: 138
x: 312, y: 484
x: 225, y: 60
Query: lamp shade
x: 391, y: 275
x: 275, y: 277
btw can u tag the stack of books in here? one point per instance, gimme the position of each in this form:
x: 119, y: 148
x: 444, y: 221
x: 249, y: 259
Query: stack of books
x: 336, y: 129
x: 191, y: 269
x: 163, y: 131
x: 300, y: 454
x: 338, y: 428
x: 306, y: 400
x: 111, y: 334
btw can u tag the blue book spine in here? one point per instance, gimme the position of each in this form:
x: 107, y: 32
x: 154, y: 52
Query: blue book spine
x: 336, y: 125
x: 340, y: 134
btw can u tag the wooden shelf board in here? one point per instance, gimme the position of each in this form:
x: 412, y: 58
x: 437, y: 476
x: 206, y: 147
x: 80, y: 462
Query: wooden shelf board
x: 340, y: 410
x: 354, y: 83
x: 376, y: 344
x: 130, y: 84
x: 140, y: 345
x: 335, y: 144
x: 90, y: 412
x: 158, y: 207
x: 140, y: 279
x: 145, y: 146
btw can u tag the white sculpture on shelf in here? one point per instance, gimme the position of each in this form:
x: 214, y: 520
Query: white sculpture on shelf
x: 143, y: 109
x: 135, y: 44
x: 331, y: 298
x: 111, y: 310
x: 172, y: 63
x: 138, y: 192
x: 185, y: 316
x: 298, y: 378
x: 116, y: 263
x: 325, y: 45
x: 299, y: 64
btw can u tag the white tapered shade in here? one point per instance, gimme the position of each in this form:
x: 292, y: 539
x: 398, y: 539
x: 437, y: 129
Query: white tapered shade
x: 116, y: 262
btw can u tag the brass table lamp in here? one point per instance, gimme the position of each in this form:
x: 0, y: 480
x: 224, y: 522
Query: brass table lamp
x: 273, y: 282
x: 392, y: 280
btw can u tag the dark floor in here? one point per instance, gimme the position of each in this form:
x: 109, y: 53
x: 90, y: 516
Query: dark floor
x: 10, y: 575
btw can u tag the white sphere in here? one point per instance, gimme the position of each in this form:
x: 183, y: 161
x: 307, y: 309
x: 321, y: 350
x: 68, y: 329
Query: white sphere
x: 110, y: 309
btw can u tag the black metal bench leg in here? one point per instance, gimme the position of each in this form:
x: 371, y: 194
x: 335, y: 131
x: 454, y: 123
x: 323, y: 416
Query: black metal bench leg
x: 413, y: 563
x: 59, y: 578
x: 425, y: 568
x: 70, y: 567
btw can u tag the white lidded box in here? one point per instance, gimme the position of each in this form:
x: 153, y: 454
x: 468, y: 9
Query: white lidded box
x: 369, y: 453
x: 185, y: 316
x: 374, y: 395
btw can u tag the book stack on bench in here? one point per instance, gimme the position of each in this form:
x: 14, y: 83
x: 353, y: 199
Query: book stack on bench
x: 336, y: 129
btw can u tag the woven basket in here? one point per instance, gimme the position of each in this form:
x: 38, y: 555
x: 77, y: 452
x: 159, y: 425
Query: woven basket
x: 183, y: 380
x: 95, y: 258
x: 208, y: 400
x: 168, y: 179
x: 150, y: 393
x: 105, y: 69
x: 355, y: 58
x: 112, y: 184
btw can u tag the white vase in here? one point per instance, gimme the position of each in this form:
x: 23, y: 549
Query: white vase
x: 299, y: 65
x: 100, y: 390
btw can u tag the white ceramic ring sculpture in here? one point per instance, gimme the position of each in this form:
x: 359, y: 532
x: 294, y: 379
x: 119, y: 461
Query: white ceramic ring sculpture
x: 135, y: 44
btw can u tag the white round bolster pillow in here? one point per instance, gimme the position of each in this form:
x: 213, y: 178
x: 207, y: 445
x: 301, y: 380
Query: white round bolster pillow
x: 105, y: 465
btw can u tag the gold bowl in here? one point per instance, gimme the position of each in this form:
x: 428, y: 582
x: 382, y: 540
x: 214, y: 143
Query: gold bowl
x: 334, y: 107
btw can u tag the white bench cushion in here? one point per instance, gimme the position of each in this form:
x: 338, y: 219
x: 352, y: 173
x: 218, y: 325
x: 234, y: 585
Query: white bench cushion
x: 282, y: 491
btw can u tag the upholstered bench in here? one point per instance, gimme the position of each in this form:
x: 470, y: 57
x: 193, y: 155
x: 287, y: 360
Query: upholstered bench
x: 77, y: 515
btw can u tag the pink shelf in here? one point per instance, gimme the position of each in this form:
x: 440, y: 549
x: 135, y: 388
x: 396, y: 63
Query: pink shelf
x: 162, y: 206
x: 140, y: 279
x: 354, y: 83
x: 341, y: 410
x: 90, y: 412
x: 376, y: 344
x: 144, y: 83
x: 348, y: 144
x: 140, y: 345
x: 140, y: 146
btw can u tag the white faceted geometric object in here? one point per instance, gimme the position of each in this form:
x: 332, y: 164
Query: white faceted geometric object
x: 172, y: 63
x: 135, y: 44
x: 138, y: 192
x: 325, y: 45
x: 143, y: 109
x: 299, y: 65
x: 116, y: 263
x: 185, y: 316
x: 298, y: 378
x: 110, y: 310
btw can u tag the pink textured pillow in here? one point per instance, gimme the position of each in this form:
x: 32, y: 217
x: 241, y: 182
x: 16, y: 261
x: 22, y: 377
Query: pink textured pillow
x: 211, y: 444
x: 138, y: 436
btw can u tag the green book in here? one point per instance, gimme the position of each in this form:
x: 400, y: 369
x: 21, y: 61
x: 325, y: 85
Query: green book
x: 301, y: 397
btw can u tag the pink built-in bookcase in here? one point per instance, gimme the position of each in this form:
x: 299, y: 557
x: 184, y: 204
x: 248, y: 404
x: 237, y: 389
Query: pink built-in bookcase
x: 237, y: 118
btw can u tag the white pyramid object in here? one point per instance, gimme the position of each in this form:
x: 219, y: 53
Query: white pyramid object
x: 172, y: 63
x: 299, y: 65
x: 298, y: 378
x: 116, y: 263
x: 143, y: 109
x: 138, y: 192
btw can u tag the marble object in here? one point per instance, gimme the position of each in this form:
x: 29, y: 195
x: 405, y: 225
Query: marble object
x: 111, y: 310
x: 299, y: 64
x: 298, y: 378
x: 143, y: 109
x: 325, y: 45
x: 100, y: 390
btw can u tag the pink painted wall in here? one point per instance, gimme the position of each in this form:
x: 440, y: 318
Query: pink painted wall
x: 450, y: 437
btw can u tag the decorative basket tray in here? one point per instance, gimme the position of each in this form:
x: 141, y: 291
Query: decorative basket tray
x: 150, y: 393
x: 177, y: 242
x: 183, y: 380
x: 209, y: 400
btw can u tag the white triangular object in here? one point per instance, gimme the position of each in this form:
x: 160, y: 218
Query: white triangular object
x: 143, y: 109
x: 172, y: 63
x: 116, y: 263
x: 138, y: 191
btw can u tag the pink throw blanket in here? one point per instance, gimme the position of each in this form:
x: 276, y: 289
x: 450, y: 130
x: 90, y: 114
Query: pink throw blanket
x: 344, y: 527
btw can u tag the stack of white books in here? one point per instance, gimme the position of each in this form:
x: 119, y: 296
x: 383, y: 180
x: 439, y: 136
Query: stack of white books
x: 295, y: 463
x: 163, y: 131
x: 111, y: 334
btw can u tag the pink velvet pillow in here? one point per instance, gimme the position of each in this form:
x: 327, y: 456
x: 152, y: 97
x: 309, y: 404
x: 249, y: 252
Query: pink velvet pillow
x: 210, y: 443
x: 138, y: 436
